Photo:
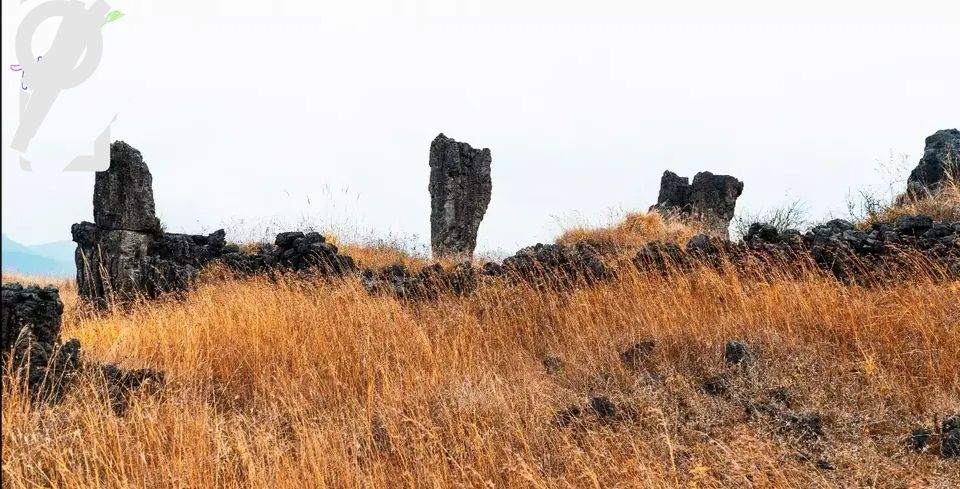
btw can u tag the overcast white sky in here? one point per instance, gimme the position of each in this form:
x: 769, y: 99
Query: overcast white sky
x: 253, y: 113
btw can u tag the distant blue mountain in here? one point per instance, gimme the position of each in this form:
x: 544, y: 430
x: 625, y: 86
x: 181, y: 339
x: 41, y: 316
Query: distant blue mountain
x: 47, y: 260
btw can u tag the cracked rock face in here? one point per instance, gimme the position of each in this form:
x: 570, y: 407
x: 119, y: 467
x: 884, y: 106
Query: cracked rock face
x: 460, y: 188
x: 940, y: 162
x: 711, y: 198
x: 123, y: 194
x: 30, y: 330
x: 124, y: 254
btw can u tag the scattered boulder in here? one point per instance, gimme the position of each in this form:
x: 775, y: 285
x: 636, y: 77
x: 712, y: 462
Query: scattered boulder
x: 567, y: 416
x: 940, y: 163
x: 460, y: 189
x: 825, y: 464
x: 664, y: 257
x: 638, y: 353
x: 807, y: 426
x: 737, y: 353
x: 710, y: 198
x: 603, y: 407
x: 918, y: 439
x: 717, y: 385
x: 428, y: 283
x: 950, y: 437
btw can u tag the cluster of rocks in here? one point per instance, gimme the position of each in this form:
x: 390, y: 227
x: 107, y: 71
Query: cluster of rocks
x: 553, y: 266
x: 543, y: 266
x: 712, y: 199
x: 428, y: 283
x: 124, y: 253
x: 836, y: 246
x: 460, y: 188
x: 30, y: 340
x: 921, y: 439
x: 293, y: 251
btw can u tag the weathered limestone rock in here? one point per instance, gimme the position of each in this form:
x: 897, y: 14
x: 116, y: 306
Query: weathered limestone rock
x: 123, y: 195
x: 711, y: 198
x: 30, y: 332
x: 124, y: 254
x: 940, y: 162
x: 460, y: 188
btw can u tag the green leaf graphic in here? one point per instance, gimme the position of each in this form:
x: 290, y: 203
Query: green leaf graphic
x: 112, y: 16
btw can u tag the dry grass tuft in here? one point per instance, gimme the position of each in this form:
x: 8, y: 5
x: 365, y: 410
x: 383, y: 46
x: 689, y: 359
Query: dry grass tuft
x: 941, y: 205
x: 635, y: 230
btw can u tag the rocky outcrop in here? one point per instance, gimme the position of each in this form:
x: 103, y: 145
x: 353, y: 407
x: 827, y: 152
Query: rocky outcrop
x: 30, y: 331
x: 124, y: 253
x: 837, y: 246
x: 940, y: 163
x: 710, y: 198
x: 460, y: 188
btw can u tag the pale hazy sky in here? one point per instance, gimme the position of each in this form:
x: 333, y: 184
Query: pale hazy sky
x: 256, y: 113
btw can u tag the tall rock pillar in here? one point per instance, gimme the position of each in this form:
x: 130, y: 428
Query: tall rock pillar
x: 460, y: 188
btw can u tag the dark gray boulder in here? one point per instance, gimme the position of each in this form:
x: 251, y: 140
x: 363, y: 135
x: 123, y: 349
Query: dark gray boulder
x: 950, y: 437
x: 30, y: 338
x: 737, y: 353
x: 710, y: 198
x: 940, y: 163
x: 460, y: 189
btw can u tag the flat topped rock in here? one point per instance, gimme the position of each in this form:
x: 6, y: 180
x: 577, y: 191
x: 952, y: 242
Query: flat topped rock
x: 711, y: 198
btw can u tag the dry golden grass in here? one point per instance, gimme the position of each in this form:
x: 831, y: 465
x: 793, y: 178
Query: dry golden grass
x: 635, y: 230
x: 297, y: 384
x: 941, y: 205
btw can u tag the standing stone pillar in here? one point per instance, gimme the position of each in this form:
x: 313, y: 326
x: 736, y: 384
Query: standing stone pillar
x: 460, y: 188
x: 112, y: 251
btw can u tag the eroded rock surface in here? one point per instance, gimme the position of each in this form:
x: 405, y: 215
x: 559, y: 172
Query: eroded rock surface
x: 940, y: 162
x: 460, y: 188
x: 710, y: 198
x: 30, y: 332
